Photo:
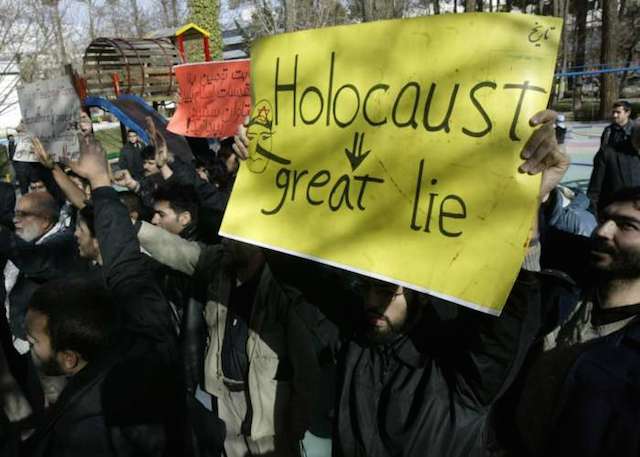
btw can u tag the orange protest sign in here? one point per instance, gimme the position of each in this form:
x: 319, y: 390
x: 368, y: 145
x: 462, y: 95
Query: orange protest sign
x: 214, y: 98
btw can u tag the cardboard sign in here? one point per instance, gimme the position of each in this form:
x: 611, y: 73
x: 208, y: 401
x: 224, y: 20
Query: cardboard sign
x: 51, y: 112
x: 391, y: 149
x: 214, y: 99
x: 24, y: 150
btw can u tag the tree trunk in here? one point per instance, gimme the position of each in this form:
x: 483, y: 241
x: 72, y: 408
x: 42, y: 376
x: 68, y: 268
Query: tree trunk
x: 57, y: 20
x: 580, y: 47
x: 565, y: 43
x: 455, y: 6
x: 174, y: 13
x: 608, y: 81
x: 436, y: 6
x: 91, y: 14
x: 622, y: 10
x: 137, y: 19
x: 165, y: 12
x: 470, y: 6
x: 290, y: 15
x: 509, y: 5
x: 628, y: 62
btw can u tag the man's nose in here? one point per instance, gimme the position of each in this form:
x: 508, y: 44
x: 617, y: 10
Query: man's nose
x: 605, y: 229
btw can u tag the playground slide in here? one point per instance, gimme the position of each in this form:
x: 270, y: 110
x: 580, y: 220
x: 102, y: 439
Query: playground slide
x: 132, y: 110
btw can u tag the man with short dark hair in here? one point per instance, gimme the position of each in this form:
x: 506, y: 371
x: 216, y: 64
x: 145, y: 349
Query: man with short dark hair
x: 123, y: 396
x: 617, y: 163
x: 37, y: 185
x: 69, y: 323
x: 617, y: 133
x: 176, y: 210
x: 85, y: 234
x: 579, y: 393
x: 146, y: 185
x: 131, y: 157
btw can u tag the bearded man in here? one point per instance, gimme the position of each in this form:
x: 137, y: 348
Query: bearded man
x: 41, y: 249
x: 580, y: 396
x: 409, y: 382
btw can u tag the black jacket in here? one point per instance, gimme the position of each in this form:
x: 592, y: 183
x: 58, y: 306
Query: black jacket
x: 128, y: 402
x: 598, y: 411
x: 431, y: 391
x: 581, y: 399
x: 613, y: 169
x: 56, y: 257
x: 131, y: 159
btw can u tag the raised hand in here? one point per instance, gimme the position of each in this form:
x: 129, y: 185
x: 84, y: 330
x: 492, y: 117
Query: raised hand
x: 158, y: 142
x: 123, y: 178
x: 241, y: 141
x: 92, y: 163
x: 43, y: 156
x: 542, y: 154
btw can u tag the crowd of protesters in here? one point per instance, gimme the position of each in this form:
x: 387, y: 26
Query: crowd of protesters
x: 132, y: 329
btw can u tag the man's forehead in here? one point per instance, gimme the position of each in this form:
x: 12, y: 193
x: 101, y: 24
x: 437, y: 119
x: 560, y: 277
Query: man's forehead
x: 630, y: 208
x: 36, y: 320
x: 24, y: 204
x: 161, y: 205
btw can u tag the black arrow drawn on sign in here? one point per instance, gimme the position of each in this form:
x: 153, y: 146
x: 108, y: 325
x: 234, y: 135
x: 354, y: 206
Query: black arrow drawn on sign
x: 356, y: 157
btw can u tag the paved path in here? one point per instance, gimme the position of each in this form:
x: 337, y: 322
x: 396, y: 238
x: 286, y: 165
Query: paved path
x: 583, y: 141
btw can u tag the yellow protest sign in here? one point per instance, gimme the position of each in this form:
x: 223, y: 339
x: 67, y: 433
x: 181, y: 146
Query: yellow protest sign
x: 391, y: 149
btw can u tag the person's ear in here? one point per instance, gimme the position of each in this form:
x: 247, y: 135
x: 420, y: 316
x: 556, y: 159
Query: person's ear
x: 70, y: 361
x: 184, y: 218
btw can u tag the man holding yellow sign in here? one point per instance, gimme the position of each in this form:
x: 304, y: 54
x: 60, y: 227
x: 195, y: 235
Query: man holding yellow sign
x: 409, y: 175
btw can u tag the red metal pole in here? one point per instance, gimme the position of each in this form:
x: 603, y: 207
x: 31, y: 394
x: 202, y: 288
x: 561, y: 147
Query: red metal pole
x: 207, y: 52
x: 180, y: 40
x: 115, y: 77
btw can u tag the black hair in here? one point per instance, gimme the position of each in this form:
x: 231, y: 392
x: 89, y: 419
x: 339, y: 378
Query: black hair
x: 36, y: 178
x: 87, y: 216
x: 80, y: 315
x: 625, y: 105
x: 226, y: 148
x: 181, y: 198
x: 148, y: 153
x: 132, y: 201
x: 626, y: 194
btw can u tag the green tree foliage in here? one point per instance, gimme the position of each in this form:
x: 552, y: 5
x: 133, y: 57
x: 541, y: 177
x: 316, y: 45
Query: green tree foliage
x: 205, y: 13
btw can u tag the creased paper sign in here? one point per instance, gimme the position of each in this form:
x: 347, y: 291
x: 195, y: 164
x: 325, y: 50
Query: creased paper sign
x: 214, y: 99
x: 51, y: 112
x: 391, y: 149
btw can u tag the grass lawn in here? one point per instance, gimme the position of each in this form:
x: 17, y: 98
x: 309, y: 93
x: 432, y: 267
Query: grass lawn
x: 110, y: 139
